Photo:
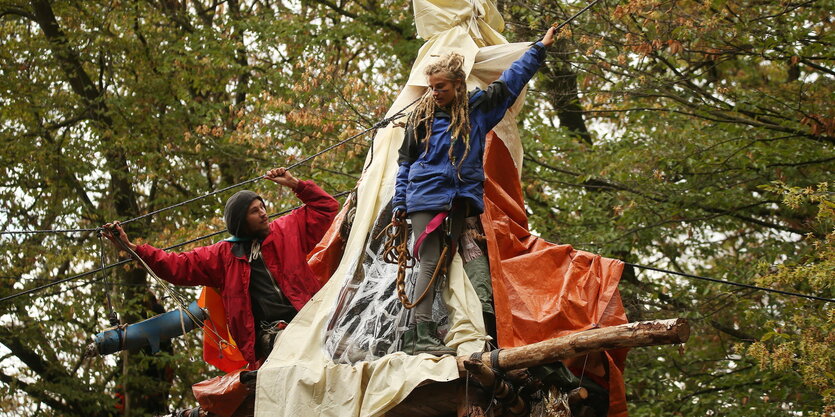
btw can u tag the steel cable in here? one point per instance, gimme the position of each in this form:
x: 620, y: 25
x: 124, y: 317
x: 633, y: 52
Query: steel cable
x: 125, y: 261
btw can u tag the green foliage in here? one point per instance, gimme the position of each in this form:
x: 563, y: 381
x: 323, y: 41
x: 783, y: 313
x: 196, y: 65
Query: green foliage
x: 800, y: 343
x: 658, y: 124
x: 114, y: 109
x: 690, y: 135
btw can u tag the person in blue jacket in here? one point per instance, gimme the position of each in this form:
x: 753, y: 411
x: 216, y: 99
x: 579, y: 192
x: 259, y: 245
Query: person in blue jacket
x: 440, y: 179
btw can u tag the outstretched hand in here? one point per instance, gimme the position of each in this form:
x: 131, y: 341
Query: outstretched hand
x: 115, y: 233
x: 548, y: 40
x: 282, y: 176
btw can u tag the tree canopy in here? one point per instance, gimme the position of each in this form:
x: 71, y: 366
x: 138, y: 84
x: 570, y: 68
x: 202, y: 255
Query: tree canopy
x: 695, y: 136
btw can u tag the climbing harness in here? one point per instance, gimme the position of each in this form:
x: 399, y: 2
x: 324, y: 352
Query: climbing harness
x: 440, y: 219
x: 396, y: 251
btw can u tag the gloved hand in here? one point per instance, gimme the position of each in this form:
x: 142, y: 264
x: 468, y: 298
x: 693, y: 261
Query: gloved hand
x: 398, y: 214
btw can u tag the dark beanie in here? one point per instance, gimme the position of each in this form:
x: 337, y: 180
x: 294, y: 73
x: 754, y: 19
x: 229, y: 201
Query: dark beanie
x: 235, y: 211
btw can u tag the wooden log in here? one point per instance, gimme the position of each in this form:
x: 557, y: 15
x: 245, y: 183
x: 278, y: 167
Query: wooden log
x: 646, y: 333
x: 480, y: 372
x: 504, y: 393
x: 444, y: 398
x: 576, y: 395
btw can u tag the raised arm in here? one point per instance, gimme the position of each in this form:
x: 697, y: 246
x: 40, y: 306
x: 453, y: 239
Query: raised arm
x: 200, y: 266
x: 502, y: 93
x: 315, y: 217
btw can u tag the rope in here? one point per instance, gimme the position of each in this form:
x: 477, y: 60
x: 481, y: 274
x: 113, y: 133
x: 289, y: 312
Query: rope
x: 380, y: 124
x: 583, y: 372
x: 738, y: 284
x: 125, y: 261
x: 576, y: 15
x: 111, y: 314
x: 177, y: 297
x: 570, y: 19
x: 396, y: 251
x: 32, y: 232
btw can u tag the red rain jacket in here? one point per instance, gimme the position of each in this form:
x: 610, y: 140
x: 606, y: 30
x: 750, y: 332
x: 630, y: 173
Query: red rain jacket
x: 284, y: 252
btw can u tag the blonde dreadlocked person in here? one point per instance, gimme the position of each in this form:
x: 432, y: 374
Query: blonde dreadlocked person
x: 440, y: 173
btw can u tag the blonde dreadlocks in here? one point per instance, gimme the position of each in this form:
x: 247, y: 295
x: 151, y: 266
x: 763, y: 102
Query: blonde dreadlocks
x: 450, y: 66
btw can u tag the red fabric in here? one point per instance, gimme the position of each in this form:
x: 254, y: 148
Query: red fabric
x: 433, y: 224
x: 284, y: 252
x: 221, y: 395
x: 543, y: 290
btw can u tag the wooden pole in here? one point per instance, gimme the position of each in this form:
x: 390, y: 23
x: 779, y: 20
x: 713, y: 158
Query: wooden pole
x: 577, y: 395
x: 444, y: 398
x: 504, y: 393
x: 646, y: 333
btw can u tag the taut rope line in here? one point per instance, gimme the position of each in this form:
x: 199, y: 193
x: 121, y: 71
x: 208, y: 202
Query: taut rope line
x: 378, y: 125
x: 125, y: 261
x: 382, y: 123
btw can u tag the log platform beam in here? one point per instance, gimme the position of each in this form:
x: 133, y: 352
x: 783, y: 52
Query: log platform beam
x: 645, y: 333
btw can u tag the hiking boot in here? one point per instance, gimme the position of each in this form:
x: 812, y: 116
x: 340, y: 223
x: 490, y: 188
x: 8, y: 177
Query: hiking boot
x: 428, y: 342
x: 407, y: 340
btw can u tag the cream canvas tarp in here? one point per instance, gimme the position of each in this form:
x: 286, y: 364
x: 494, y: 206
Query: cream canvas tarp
x: 298, y: 378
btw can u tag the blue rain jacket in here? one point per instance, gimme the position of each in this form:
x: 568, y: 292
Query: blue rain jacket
x: 428, y: 180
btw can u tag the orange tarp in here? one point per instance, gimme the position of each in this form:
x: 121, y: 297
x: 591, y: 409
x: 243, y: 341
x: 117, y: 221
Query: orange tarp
x: 325, y: 257
x: 543, y: 290
x: 218, y: 351
x: 221, y: 395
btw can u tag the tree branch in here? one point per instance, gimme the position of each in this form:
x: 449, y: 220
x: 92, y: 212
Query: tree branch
x: 728, y: 212
x: 37, y: 393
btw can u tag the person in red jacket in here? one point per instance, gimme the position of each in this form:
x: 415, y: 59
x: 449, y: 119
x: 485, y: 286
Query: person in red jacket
x: 261, y: 272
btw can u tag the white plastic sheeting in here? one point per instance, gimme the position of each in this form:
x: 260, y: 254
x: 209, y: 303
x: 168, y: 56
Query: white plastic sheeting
x: 369, y: 319
x: 335, y: 357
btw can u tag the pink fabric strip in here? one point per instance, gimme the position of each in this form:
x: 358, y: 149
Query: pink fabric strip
x: 433, y: 224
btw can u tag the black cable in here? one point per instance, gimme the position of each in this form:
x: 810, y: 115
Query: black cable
x: 378, y: 125
x: 754, y: 287
x: 125, y: 261
x: 63, y: 280
x: 75, y: 287
x: 738, y: 284
x: 382, y: 123
x: 570, y: 19
x: 32, y: 232
x: 686, y: 275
